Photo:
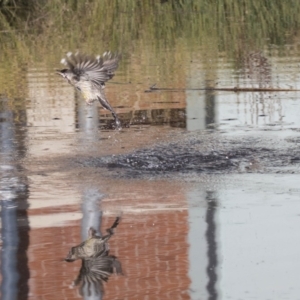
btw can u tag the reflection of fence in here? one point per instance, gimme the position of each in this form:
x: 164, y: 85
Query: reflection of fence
x: 143, y: 108
x: 55, y: 105
x: 174, y: 117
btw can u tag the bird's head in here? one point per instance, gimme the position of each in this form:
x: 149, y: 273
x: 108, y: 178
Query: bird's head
x: 72, y: 255
x: 68, y: 75
x: 64, y: 73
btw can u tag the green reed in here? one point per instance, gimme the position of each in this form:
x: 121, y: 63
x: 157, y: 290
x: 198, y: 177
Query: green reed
x: 162, y: 33
x: 36, y: 29
x: 118, y: 23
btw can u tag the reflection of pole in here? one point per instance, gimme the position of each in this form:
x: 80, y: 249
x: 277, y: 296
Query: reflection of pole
x: 195, y: 111
x: 211, y: 246
x: 203, y: 245
x: 10, y: 276
x: 13, y: 192
x: 91, y: 217
x: 88, y: 118
x: 200, y: 109
x: 91, y: 214
x: 210, y: 107
x: 197, y: 250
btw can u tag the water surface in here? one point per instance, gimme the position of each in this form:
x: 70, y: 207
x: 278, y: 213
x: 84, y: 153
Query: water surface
x: 206, y: 180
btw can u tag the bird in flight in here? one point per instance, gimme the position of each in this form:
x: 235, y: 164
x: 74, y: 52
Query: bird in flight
x: 88, y: 75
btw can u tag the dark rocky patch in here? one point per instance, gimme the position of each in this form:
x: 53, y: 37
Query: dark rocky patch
x: 192, y: 155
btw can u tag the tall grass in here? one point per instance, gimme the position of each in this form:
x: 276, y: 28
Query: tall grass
x: 34, y: 27
x: 158, y: 32
x: 117, y: 23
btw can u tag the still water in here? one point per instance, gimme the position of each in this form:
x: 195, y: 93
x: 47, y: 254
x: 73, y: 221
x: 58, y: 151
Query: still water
x: 206, y: 181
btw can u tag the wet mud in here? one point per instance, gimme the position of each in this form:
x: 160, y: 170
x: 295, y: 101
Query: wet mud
x: 211, y: 153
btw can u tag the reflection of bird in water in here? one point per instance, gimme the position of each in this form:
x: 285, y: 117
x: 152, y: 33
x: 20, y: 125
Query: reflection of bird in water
x: 88, y: 75
x: 94, y: 270
x: 94, y: 246
x: 97, y: 264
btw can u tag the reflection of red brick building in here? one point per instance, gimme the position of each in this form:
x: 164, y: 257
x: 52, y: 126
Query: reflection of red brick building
x: 154, y: 255
x: 50, y: 275
x: 150, y: 242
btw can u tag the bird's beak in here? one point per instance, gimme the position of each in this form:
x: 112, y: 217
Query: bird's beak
x: 59, y: 72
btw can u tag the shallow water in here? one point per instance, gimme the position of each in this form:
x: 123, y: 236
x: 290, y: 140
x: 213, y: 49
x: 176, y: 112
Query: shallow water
x: 207, y: 182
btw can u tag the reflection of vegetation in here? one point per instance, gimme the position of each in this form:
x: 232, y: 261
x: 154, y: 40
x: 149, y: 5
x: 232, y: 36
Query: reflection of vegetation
x: 116, y: 23
x: 159, y: 39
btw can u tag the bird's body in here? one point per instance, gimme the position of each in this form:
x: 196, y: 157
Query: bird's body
x: 94, y: 246
x: 97, y: 264
x: 88, y: 75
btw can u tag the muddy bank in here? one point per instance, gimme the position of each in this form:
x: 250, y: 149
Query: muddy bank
x: 211, y: 153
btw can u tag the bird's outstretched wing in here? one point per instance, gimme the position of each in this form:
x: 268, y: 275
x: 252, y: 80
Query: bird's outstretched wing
x: 97, y: 69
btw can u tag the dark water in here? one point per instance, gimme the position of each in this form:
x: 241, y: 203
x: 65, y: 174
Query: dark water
x: 206, y: 181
